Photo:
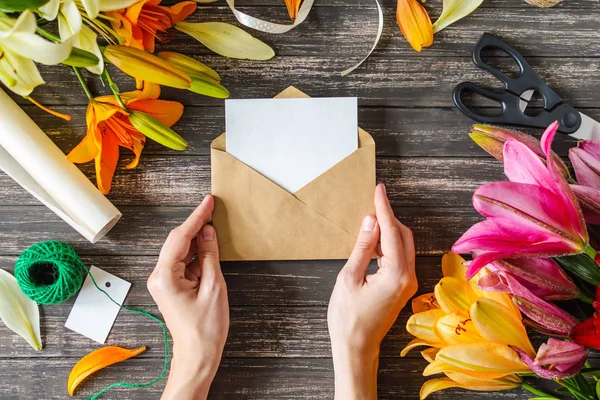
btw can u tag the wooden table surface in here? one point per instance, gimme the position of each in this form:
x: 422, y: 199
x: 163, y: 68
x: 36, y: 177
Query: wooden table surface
x: 278, y: 346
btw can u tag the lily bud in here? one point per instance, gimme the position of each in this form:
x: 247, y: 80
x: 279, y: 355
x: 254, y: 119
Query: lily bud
x: 492, y: 139
x: 156, y: 130
x: 81, y: 59
x: 146, y: 67
x: 556, y: 359
x: 206, y: 86
x: 188, y: 65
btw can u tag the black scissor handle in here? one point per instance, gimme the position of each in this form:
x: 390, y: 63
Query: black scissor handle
x: 527, y: 79
x: 511, y: 113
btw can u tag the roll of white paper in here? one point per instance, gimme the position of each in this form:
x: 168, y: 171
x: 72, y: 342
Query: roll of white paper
x: 29, y: 157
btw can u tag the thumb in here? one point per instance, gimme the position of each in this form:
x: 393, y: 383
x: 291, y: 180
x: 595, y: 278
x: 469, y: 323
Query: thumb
x: 208, y: 254
x: 363, y: 250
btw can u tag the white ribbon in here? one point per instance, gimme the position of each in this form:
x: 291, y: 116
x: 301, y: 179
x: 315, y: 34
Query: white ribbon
x: 271, y: 27
x: 379, y: 32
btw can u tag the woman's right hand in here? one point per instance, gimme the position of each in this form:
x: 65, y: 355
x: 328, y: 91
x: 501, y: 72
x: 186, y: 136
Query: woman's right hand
x: 363, y: 307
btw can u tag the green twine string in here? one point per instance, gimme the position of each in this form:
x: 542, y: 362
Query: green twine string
x: 51, y: 273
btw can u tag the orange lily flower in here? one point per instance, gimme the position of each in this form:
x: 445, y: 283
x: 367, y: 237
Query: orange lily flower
x: 293, y: 6
x: 143, y: 23
x: 415, y: 24
x: 108, y: 127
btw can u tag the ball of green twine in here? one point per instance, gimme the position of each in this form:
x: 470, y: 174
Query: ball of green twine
x: 49, y: 272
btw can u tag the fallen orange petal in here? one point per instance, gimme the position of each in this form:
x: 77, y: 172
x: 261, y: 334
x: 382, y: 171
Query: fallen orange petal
x: 293, y: 6
x: 415, y: 24
x: 96, y: 360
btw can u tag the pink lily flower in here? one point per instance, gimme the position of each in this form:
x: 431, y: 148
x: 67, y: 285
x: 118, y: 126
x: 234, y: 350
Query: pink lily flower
x: 548, y: 316
x: 586, y: 162
x: 492, y: 140
x: 542, y: 276
x: 556, y: 359
x: 534, y: 215
x: 585, y: 159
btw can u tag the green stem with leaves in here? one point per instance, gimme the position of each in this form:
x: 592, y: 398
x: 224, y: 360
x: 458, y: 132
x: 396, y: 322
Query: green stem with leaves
x: 589, y: 250
x: 114, y: 88
x: 85, y: 87
x: 537, y: 392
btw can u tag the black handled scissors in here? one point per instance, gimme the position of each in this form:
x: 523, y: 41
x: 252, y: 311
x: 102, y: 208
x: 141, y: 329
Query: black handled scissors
x: 516, y: 94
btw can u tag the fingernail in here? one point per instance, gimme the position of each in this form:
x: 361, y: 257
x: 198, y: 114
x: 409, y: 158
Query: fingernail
x: 208, y: 233
x: 368, y: 224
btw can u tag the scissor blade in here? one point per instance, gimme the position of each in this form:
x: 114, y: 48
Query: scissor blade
x: 589, y: 129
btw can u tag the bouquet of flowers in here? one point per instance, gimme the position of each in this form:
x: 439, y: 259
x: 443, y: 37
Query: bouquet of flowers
x: 92, y: 34
x: 534, y: 264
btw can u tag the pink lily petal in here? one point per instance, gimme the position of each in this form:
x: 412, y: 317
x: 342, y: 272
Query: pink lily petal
x: 585, y: 159
x: 526, y: 204
x: 542, y: 276
x: 589, y: 200
x: 562, y: 354
x: 491, y: 283
x: 521, y: 165
x: 547, y: 373
x: 561, y: 187
x: 542, y: 312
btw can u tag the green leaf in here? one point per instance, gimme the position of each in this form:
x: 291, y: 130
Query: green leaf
x: 18, y: 312
x: 583, y: 385
x: 582, y: 266
x: 21, y: 5
x: 81, y: 59
x: 598, y: 389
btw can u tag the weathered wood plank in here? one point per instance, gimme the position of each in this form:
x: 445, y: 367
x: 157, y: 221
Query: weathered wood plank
x: 430, y: 132
x: 185, y: 180
x: 259, y: 379
x: 283, y: 283
x: 142, y: 230
x: 255, y: 332
x: 353, y: 29
x: 383, y: 81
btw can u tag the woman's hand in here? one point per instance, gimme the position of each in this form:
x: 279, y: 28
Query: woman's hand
x: 363, y: 307
x: 189, y: 289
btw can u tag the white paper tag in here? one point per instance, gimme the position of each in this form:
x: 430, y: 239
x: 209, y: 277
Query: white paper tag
x: 93, y: 314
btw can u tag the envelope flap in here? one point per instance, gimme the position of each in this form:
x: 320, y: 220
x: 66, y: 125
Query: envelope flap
x: 257, y: 219
x: 344, y: 193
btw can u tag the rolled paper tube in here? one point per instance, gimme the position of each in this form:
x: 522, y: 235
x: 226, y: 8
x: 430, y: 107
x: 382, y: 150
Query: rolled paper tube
x: 29, y: 157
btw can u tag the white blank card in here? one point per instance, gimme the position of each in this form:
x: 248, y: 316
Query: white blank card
x: 291, y: 141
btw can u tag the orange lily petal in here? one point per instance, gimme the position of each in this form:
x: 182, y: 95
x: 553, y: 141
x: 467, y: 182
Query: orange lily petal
x: 106, y: 161
x: 416, y: 342
x: 424, y: 302
x: 85, y: 151
x: 182, y: 10
x: 293, y: 6
x: 137, y: 147
x: 167, y: 112
x: 415, y: 24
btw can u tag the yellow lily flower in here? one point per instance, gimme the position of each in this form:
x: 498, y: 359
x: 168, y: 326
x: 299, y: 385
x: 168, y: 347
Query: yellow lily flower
x: 469, y: 333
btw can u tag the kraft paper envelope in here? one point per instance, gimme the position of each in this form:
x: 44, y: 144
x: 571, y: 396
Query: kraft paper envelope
x: 256, y: 219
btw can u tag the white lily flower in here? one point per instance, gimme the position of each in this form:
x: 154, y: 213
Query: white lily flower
x: 91, y: 7
x: 20, y: 47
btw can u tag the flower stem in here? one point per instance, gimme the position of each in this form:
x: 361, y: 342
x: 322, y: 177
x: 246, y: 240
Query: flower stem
x: 48, y: 35
x: 85, y: 87
x: 537, y: 392
x: 585, y: 298
x: 589, y: 250
x: 115, y: 89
